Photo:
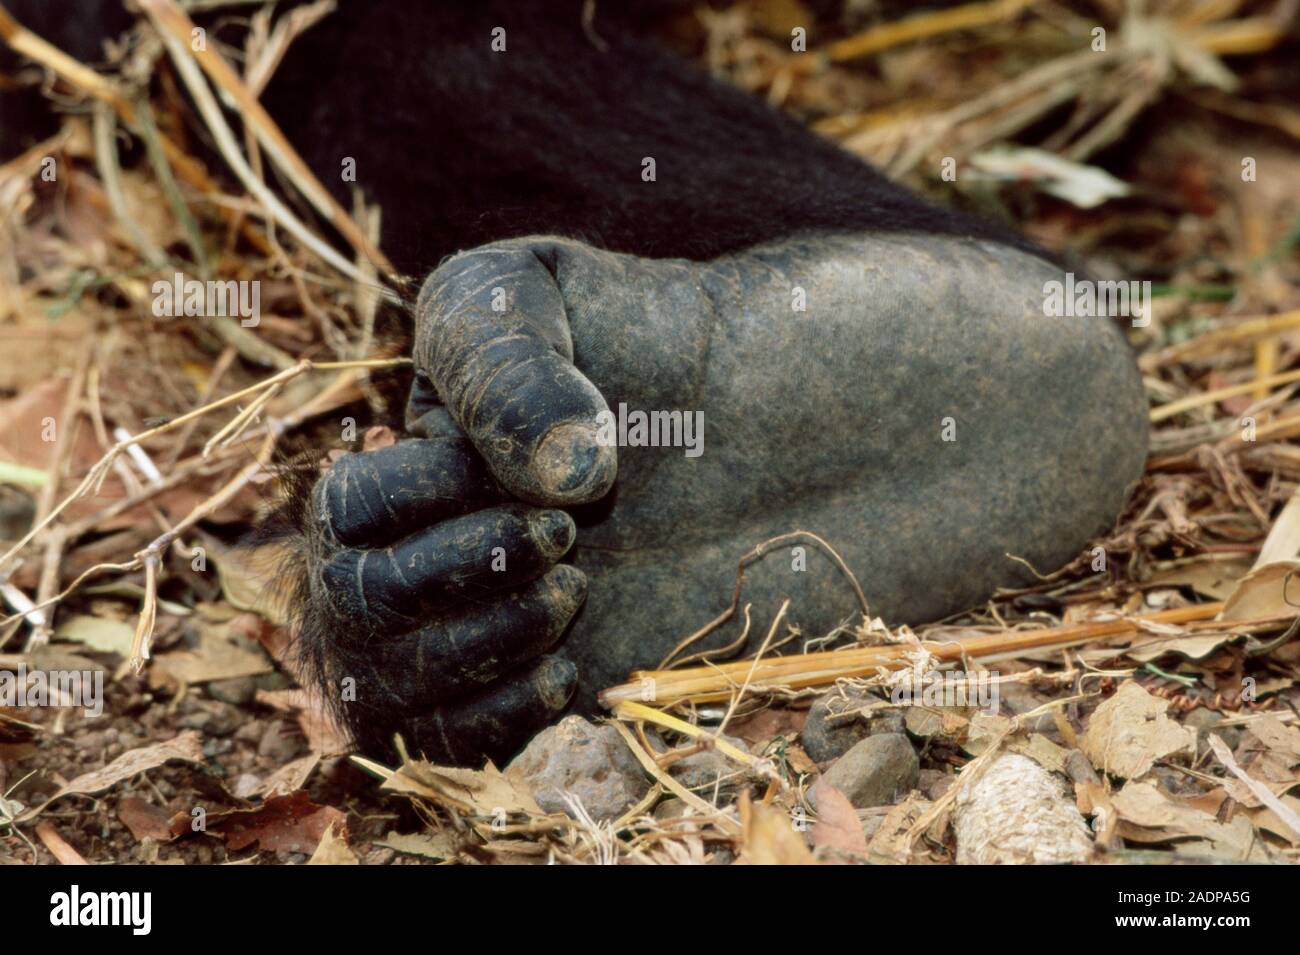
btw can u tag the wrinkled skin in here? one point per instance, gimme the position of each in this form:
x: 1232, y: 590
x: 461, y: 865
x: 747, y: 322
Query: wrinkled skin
x: 830, y: 420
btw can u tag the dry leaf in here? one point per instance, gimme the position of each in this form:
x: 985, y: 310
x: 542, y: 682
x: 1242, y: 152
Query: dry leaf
x: 1210, y: 575
x: 1041, y: 750
x: 950, y: 722
x: 768, y: 837
x: 251, y: 576
x: 290, y: 823
x: 985, y: 731
x: 430, y: 845
x: 97, y: 633
x: 1263, y: 593
x: 147, y: 821
x: 1131, y: 730
x: 837, y: 825
x: 333, y: 850
x: 13, y: 730
x: 1265, y: 795
x: 1265, y: 818
x: 892, y: 839
x: 1148, y: 815
x: 219, y: 657
x: 186, y: 746
x: 487, y: 791
x: 290, y: 777
x: 1277, y: 736
x: 1283, y: 540
x: 1193, y: 648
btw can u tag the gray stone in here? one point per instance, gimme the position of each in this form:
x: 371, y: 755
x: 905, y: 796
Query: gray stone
x: 238, y: 691
x: 1016, y: 699
x: 246, y: 785
x: 671, y: 808
x: 587, y: 761
x: 935, y: 783
x: 700, y: 771
x: 1207, y: 722
x: 824, y: 738
x: 876, y: 771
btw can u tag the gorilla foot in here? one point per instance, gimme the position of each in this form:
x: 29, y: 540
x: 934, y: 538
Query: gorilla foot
x: 905, y: 397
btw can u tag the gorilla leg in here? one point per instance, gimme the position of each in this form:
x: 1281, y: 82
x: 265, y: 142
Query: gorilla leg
x: 645, y: 236
x: 463, y: 143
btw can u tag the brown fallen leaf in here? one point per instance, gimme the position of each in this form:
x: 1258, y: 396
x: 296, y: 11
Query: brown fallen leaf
x: 186, y: 746
x: 947, y: 722
x: 1265, y: 818
x: 1278, y: 737
x: 101, y: 634
x: 759, y: 728
x: 837, y: 825
x: 1283, y: 540
x: 429, y: 845
x: 1212, y: 575
x: 1283, y: 812
x: 768, y: 837
x: 249, y: 575
x: 1193, y: 648
x: 892, y: 839
x: 1131, y: 730
x: 219, y: 657
x: 24, y: 416
x: 799, y: 760
x: 1148, y: 815
x: 486, y: 792
x: 14, y: 730
x: 1267, y: 591
x: 1041, y: 750
x: 290, y: 823
x: 36, y: 346
x: 147, y: 821
x: 289, y: 778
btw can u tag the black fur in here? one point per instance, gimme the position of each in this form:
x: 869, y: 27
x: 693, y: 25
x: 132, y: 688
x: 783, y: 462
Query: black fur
x: 462, y: 145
